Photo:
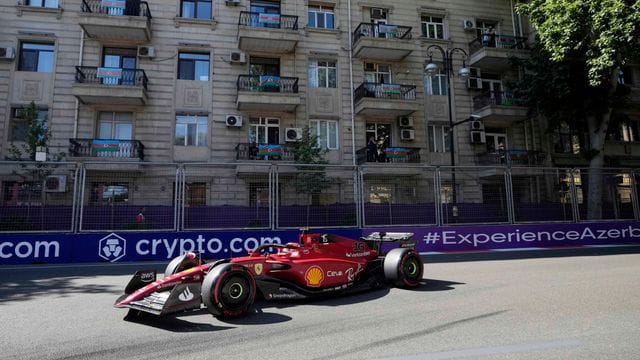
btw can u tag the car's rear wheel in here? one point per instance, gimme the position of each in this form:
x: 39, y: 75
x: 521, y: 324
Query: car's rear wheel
x: 403, y: 267
x: 228, y: 290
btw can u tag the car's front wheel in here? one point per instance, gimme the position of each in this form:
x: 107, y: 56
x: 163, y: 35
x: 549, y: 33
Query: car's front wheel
x: 403, y: 267
x: 228, y: 290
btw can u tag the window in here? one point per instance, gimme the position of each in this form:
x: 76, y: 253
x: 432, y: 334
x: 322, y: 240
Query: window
x: 566, y: 140
x: 193, y: 66
x: 377, y: 73
x: 43, y: 3
x: 322, y: 74
x: 20, y: 126
x: 109, y: 192
x: 439, y: 138
x: 36, y: 57
x: 327, y: 133
x: 196, y: 194
x: 22, y: 193
x: 191, y: 130
x: 115, y: 125
x: 435, y: 84
x: 264, y: 130
x: 432, y: 27
x: 196, y: 9
x: 321, y: 17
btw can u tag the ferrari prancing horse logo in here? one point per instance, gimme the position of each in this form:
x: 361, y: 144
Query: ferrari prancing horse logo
x: 258, y: 268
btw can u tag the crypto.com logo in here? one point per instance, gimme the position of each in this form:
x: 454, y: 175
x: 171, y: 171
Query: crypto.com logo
x: 112, y: 247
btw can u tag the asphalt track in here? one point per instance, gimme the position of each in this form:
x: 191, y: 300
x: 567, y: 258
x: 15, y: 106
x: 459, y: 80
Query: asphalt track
x: 548, y: 305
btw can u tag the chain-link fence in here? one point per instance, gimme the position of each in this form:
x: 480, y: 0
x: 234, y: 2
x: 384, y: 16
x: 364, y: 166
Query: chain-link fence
x: 102, y: 196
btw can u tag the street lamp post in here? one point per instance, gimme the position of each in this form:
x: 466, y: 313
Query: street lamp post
x: 431, y: 69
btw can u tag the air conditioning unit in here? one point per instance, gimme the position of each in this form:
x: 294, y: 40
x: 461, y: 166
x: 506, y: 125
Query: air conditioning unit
x: 293, y: 134
x: 474, y: 83
x: 7, y: 53
x: 405, y: 121
x: 232, y: 2
x: 237, y: 57
x: 146, y: 52
x: 55, y: 183
x: 478, y: 137
x: 233, y: 120
x: 407, y: 134
x: 477, y: 125
x: 469, y: 24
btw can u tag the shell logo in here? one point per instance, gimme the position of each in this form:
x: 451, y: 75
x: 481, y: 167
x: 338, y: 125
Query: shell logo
x: 314, y: 276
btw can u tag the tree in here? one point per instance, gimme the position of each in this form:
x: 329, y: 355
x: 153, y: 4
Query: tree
x: 585, y: 42
x: 312, y: 179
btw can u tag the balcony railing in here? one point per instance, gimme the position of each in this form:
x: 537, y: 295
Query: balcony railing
x: 389, y: 155
x: 267, y: 83
x: 385, y: 91
x: 271, y: 21
x: 111, y: 76
x: 499, y: 42
x: 269, y: 152
x: 512, y: 158
x: 503, y: 98
x: 127, y: 8
x: 109, y: 148
x: 383, y: 31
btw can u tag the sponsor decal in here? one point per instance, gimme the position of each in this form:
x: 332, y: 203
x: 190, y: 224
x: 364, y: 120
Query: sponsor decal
x: 147, y: 276
x: 333, y: 273
x: 314, y: 276
x: 360, y: 254
x: 186, y: 295
x: 350, y: 274
x: 258, y: 268
x: 112, y: 247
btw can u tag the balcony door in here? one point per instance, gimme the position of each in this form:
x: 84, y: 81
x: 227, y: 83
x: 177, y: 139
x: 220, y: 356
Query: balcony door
x: 264, y: 130
x: 265, y: 14
x: 125, y: 59
x: 379, y: 17
x: 496, y: 141
x: 115, y: 125
x: 382, y: 134
x: 377, y: 73
x: 494, y: 89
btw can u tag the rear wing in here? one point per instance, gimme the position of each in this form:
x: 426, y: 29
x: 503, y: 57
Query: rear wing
x: 375, y: 239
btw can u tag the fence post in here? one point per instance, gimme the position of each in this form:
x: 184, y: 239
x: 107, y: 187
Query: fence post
x: 508, y: 180
x: 437, y: 188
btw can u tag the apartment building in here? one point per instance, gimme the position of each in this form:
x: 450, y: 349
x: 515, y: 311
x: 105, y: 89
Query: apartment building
x: 200, y: 81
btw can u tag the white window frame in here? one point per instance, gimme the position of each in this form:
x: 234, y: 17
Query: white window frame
x: 321, y: 10
x: 439, y: 81
x: 318, y: 81
x: 193, y: 119
x: 439, y: 138
x: 326, y: 132
x: 429, y: 27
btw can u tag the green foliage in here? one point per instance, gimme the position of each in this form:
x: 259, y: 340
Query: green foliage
x: 604, y: 33
x: 311, y: 179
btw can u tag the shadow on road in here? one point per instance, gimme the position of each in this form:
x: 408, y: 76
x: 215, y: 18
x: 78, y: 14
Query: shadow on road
x: 437, y: 285
x: 172, y: 323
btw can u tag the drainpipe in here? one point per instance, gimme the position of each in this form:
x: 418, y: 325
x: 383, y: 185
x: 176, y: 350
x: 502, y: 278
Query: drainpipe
x: 77, y: 107
x: 351, y: 89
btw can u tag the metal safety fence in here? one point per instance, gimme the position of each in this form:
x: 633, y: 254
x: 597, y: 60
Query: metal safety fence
x: 144, y: 196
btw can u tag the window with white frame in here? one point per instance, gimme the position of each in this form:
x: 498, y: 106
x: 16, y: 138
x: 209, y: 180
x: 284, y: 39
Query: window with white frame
x: 20, y: 125
x: 43, y: 3
x: 438, y: 138
x: 37, y: 57
x: 432, y: 26
x: 322, y: 74
x: 115, y: 125
x: 191, y: 130
x: 377, y: 73
x: 435, y: 84
x: 321, y: 17
x: 326, y: 132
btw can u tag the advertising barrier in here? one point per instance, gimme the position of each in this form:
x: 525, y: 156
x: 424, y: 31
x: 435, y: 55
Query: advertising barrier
x: 163, y: 246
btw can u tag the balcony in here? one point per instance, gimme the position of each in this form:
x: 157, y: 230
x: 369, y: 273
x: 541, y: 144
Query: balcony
x: 512, y: 158
x: 389, y: 100
x: 622, y: 153
x: 495, y: 56
x: 110, y: 86
x: 382, y: 42
x: 264, y: 152
x: 402, y: 155
x: 124, y: 21
x: 106, y: 148
x: 272, y: 33
x: 267, y: 93
x: 499, y: 108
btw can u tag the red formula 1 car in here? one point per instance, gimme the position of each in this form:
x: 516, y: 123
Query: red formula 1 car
x: 319, y: 265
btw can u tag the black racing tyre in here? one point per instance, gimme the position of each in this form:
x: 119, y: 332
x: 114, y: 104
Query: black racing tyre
x: 178, y: 264
x: 403, y: 267
x: 228, y: 290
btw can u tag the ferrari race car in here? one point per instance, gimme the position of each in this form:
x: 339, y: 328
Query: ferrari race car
x: 319, y: 265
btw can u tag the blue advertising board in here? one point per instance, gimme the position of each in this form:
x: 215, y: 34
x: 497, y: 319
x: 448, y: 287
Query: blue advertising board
x: 163, y: 246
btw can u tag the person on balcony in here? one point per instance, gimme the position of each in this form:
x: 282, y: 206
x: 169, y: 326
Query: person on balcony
x: 372, y: 149
x: 487, y: 36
